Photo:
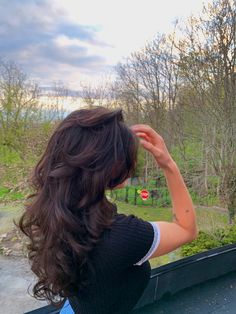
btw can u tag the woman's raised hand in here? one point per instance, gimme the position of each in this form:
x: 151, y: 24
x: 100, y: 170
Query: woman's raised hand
x: 154, y: 143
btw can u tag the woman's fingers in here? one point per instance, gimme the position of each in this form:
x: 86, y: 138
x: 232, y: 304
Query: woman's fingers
x: 143, y: 128
x: 154, y: 151
x: 143, y: 135
x: 148, y: 146
x: 154, y: 143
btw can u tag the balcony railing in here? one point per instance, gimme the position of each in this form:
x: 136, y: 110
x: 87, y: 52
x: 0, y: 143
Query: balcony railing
x: 201, y: 283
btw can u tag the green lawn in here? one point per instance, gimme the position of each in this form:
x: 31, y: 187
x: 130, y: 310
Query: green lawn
x: 208, y: 219
x: 7, y: 194
x: 8, y: 212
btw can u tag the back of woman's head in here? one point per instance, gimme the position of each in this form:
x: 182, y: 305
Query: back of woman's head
x: 90, y: 151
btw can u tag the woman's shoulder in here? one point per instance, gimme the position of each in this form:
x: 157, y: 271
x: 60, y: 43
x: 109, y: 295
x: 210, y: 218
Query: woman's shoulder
x: 128, y: 239
x: 128, y: 224
x: 121, y: 218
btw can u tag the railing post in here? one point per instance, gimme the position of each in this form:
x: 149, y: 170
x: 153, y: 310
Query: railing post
x: 135, y: 196
x: 127, y: 194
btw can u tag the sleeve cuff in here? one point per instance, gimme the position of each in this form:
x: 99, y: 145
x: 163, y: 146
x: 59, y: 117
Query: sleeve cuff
x: 155, y: 243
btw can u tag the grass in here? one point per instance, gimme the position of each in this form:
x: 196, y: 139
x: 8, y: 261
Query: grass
x: 6, y: 194
x: 8, y: 212
x: 208, y: 220
x: 145, y: 212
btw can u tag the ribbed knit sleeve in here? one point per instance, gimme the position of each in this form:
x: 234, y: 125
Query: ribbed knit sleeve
x: 132, y: 239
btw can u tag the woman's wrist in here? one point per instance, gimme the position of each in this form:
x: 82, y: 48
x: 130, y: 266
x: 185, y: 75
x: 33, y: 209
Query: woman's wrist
x: 171, y: 167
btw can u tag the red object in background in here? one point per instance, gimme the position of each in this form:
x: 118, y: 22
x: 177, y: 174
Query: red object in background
x: 144, y: 194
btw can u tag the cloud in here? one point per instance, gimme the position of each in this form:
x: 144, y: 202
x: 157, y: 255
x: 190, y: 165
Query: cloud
x: 40, y: 36
x: 73, y: 39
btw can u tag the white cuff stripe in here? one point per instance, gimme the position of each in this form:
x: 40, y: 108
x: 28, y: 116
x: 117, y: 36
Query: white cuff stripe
x: 154, y: 245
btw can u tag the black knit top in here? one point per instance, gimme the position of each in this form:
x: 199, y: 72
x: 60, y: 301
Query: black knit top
x: 118, y: 284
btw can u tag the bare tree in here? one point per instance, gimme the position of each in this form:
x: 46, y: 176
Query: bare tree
x: 207, y: 63
x: 54, y: 102
x: 18, y: 105
x: 99, y: 95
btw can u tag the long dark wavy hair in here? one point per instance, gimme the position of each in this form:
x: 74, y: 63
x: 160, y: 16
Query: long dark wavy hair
x: 91, y: 150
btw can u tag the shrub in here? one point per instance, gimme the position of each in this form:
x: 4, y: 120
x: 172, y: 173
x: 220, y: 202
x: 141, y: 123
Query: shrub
x: 206, y: 241
x: 203, y: 243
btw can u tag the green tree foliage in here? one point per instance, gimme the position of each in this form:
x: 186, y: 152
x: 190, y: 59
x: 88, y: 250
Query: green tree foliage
x: 206, y: 241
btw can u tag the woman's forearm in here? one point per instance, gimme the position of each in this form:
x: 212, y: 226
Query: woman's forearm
x: 183, y: 209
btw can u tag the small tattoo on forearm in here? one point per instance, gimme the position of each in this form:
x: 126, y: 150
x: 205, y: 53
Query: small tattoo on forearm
x: 175, y: 217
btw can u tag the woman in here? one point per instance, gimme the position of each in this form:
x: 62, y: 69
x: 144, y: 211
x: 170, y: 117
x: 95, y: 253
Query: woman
x: 80, y: 248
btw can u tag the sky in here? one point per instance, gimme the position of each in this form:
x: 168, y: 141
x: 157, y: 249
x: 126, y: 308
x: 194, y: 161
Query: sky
x: 80, y: 41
